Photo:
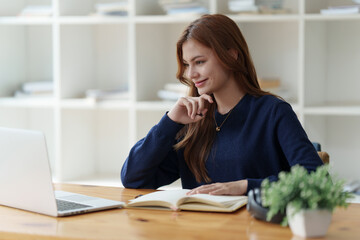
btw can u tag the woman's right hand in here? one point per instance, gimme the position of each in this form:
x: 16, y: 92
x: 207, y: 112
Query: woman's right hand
x: 190, y: 109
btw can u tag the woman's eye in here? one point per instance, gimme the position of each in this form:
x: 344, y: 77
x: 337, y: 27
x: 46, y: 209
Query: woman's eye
x: 185, y: 65
x: 199, y: 62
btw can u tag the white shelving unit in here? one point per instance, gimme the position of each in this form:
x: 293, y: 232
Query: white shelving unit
x: 315, y: 56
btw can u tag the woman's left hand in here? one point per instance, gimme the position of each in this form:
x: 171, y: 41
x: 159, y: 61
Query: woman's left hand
x: 227, y: 188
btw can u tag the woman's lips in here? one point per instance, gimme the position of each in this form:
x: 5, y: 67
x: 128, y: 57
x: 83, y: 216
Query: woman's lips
x: 200, y: 83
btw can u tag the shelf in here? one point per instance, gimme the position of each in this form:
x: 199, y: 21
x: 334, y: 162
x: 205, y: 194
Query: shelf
x: 338, y: 135
x: 155, y: 105
x: 26, y: 56
x: 152, y: 118
x: 265, y: 17
x: 320, y: 17
x: 164, y: 19
x: 291, y: 5
x: 95, y: 20
x: 155, y: 57
x: 84, y: 103
x: 333, y: 110
x: 32, y: 116
x: 101, y: 59
x: 93, y: 142
x: 331, y: 62
x: 27, y: 102
x: 26, y: 21
x: 15, y: 7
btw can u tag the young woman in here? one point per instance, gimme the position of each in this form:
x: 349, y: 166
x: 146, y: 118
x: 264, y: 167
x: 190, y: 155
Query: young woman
x: 228, y: 135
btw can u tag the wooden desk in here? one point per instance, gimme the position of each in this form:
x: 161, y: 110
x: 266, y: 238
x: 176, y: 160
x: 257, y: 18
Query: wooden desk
x: 152, y: 224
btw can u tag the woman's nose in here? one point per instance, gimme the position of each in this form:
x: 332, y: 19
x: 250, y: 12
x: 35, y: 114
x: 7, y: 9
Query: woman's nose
x: 192, y: 73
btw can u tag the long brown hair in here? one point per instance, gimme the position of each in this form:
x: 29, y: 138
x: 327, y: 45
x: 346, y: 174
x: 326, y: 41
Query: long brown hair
x: 219, y: 33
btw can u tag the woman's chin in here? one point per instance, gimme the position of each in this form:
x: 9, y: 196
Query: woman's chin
x: 202, y: 91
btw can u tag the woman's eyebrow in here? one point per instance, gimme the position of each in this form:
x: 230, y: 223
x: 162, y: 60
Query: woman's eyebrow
x: 193, y: 59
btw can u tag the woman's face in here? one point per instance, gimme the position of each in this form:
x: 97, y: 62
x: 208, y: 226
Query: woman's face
x: 203, y: 68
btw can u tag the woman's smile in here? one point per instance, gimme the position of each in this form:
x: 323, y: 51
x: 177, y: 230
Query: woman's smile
x: 200, y: 83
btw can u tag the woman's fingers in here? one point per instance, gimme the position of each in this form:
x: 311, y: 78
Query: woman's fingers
x: 203, y: 100
x: 195, y: 106
x: 204, y: 189
x: 190, y: 109
x: 226, y: 188
x: 220, y: 191
x: 207, y: 98
x: 201, y: 106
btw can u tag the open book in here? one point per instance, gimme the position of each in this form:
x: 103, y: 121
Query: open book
x: 178, y: 200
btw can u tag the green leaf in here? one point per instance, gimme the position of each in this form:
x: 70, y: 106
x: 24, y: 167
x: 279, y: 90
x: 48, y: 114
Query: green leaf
x: 314, y: 190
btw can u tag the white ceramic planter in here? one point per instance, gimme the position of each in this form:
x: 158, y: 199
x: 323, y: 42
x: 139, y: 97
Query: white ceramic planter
x: 309, y: 223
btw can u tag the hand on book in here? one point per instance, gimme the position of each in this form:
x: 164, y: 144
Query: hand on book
x: 227, y: 188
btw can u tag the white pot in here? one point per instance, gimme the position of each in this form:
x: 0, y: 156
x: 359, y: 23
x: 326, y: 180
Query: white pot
x: 309, y: 223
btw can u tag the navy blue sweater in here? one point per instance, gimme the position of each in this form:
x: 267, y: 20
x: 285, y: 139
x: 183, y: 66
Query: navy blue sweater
x: 261, y: 137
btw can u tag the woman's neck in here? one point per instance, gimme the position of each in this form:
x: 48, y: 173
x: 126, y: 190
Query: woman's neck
x: 227, y: 100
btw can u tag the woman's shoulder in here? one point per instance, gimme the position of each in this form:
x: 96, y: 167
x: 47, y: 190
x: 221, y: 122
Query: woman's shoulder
x: 269, y: 103
x: 268, y: 100
x: 269, y: 106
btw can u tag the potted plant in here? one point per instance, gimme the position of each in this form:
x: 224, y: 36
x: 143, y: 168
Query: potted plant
x: 307, y: 198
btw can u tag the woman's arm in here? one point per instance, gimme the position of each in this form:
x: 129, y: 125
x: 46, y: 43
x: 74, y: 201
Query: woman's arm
x: 152, y: 162
x: 293, y: 139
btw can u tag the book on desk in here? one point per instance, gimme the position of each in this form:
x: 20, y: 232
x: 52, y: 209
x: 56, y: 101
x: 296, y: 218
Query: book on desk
x: 177, y: 200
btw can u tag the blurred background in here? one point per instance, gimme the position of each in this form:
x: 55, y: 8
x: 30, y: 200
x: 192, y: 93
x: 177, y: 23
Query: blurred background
x: 96, y: 75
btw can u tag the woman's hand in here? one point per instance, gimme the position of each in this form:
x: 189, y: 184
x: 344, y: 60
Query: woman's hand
x: 227, y: 188
x: 190, y: 109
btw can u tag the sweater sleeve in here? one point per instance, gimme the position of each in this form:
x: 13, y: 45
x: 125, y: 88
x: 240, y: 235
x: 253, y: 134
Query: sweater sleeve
x: 152, y: 161
x: 293, y: 142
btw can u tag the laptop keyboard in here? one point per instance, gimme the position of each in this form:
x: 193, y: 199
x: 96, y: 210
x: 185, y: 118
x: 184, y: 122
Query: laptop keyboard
x: 65, y: 205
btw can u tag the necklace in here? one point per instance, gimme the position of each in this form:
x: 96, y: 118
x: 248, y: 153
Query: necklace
x: 218, y: 128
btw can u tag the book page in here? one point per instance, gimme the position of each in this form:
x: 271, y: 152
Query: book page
x: 167, y: 198
x: 195, y: 206
x: 214, y: 200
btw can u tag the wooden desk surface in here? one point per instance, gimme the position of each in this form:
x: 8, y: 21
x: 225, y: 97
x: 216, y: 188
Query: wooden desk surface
x: 155, y: 224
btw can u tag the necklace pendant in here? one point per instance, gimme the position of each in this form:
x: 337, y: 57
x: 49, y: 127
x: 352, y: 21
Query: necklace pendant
x: 217, y: 129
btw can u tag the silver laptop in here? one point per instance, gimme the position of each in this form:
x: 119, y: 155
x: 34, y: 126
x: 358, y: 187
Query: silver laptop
x: 25, y: 178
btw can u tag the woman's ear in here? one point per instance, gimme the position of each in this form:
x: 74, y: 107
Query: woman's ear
x: 234, y: 53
